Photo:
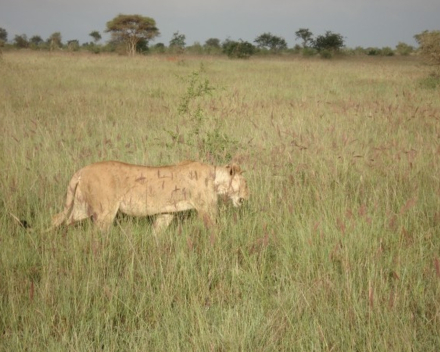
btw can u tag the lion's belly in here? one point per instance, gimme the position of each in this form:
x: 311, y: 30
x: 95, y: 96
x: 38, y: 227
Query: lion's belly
x: 143, y: 204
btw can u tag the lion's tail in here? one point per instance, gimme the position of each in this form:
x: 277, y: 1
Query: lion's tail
x: 60, y: 218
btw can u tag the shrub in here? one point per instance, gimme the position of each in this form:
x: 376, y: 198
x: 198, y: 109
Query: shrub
x: 308, y: 52
x: 205, y: 136
x: 431, y: 82
x: 404, y: 49
x: 359, y: 51
x: 195, y: 49
x: 387, y: 51
x: 158, y: 48
x: 73, y: 45
x: 373, y: 51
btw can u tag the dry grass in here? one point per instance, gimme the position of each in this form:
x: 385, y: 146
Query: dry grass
x: 337, y: 250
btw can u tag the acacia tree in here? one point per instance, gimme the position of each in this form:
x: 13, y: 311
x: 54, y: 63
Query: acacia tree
x: 130, y: 29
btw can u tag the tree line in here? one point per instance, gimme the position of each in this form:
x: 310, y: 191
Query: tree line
x: 132, y: 34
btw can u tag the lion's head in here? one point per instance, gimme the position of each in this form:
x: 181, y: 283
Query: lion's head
x: 229, y: 181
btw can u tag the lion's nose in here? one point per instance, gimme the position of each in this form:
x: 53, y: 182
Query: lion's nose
x: 241, y: 200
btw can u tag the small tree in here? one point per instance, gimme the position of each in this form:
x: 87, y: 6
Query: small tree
x: 21, y: 41
x: 73, y: 45
x: 212, y: 46
x: 177, y: 43
x: 36, y: 40
x: 130, y: 29
x: 271, y: 42
x: 3, y: 35
x: 195, y: 49
x: 159, y: 48
x: 55, y: 41
x: 96, y: 36
x: 429, y: 46
x: 213, y: 43
x: 305, y: 35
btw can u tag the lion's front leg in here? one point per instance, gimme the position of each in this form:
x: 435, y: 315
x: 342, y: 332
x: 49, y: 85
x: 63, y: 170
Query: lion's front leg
x: 208, y: 213
x: 208, y: 220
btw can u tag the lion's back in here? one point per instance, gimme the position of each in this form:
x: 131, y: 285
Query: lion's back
x: 186, y: 182
x: 148, y: 190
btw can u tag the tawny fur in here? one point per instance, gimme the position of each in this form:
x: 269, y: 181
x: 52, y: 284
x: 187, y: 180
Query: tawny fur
x: 102, y: 189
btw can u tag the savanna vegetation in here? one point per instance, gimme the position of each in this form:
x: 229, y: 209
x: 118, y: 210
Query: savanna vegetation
x: 134, y: 34
x: 338, y: 248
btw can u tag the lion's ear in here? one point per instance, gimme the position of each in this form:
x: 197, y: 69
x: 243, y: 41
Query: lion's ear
x: 234, y: 169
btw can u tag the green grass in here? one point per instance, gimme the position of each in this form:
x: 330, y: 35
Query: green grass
x: 338, y: 248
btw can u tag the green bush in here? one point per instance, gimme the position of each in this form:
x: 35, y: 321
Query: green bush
x: 326, y: 54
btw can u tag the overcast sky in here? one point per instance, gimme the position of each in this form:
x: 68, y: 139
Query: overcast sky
x: 365, y: 23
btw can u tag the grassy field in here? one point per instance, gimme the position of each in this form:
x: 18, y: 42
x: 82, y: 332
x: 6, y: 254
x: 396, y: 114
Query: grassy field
x: 338, y: 248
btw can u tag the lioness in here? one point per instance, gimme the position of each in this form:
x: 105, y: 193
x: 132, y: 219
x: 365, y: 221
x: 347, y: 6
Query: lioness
x: 102, y: 189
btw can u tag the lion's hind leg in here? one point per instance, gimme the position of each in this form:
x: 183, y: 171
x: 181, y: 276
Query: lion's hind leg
x: 104, y: 218
x: 161, y: 223
x: 69, y: 216
x: 74, y: 209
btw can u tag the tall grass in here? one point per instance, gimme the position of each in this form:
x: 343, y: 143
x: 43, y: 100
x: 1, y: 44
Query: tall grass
x: 338, y: 248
